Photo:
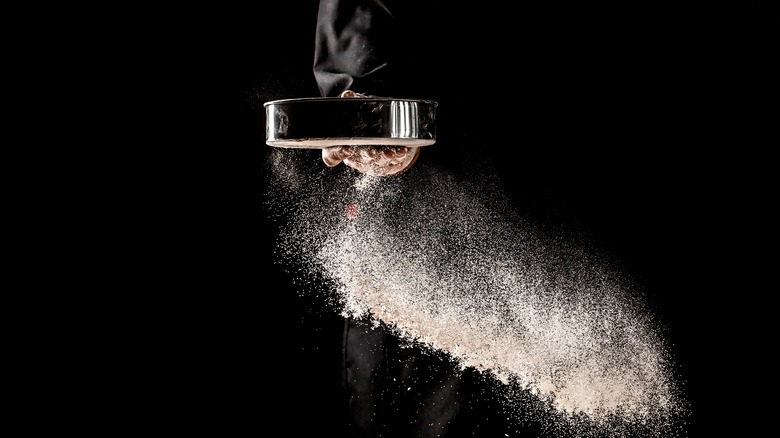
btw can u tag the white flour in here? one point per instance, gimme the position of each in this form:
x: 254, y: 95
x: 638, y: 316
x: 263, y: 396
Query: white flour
x: 446, y: 263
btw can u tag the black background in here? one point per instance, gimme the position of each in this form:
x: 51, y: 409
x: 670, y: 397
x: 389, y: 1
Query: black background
x: 675, y: 192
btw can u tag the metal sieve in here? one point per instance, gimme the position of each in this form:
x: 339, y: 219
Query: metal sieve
x: 320, y: 122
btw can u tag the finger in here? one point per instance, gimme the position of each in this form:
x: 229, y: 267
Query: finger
x: 334, y: 155
x: 394, y: 152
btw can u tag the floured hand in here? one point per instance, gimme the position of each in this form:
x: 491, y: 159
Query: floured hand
x: 372, y: 160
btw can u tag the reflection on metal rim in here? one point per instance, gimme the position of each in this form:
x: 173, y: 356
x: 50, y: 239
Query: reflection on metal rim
x: 320, y: 122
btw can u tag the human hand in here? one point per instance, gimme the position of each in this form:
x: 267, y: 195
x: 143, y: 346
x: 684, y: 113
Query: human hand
x: 370, y: 159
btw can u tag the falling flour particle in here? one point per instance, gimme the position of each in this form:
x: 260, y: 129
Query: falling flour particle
x: 445, y: 263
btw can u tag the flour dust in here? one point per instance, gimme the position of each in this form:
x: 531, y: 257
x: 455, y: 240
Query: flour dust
x: 446, y: 263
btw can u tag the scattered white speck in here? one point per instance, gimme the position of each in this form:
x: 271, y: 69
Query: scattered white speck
x: 447, y: 264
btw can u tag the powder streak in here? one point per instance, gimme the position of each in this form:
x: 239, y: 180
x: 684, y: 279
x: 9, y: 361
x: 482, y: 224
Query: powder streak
x: 449, y: 271
x: 558, y: 349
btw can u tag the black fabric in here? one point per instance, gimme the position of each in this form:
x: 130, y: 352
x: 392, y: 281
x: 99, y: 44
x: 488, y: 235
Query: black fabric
x: 399, y: 390
x: 382, y: 48
x: 346, y: 53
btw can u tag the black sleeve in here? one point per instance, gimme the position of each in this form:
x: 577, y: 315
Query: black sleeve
x: 373, y: 47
